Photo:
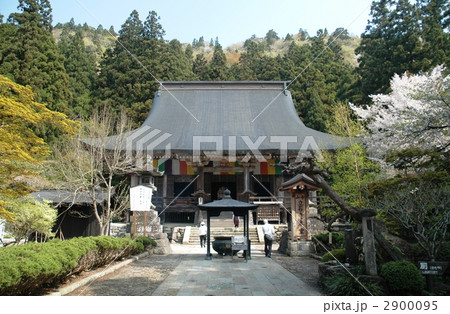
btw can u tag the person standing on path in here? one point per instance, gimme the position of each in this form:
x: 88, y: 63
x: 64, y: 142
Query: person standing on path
x: 236, y: 221
x: 269, y: 236
x: 202, y: 233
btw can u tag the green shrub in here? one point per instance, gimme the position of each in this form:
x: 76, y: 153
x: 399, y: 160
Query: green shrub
x: 339, y: 254
x: 30, y: 268
x: 346, y: 285
x: 146, y: 241
x: 338, y: 240
x: 403, y: 278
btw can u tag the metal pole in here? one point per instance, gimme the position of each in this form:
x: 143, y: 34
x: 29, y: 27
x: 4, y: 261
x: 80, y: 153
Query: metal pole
x: 249, y: 255
x: 208, y: 234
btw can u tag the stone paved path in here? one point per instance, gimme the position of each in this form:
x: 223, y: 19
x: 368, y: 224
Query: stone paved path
x: 185, y: 272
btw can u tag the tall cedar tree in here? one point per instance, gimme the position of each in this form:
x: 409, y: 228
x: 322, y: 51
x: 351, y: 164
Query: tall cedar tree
x: 30, y: 55
x: 435, y: 17
x: 218, y: 64
x: 80, y: 67
x: 141, y: 59
x: 200, y: 67
x: 400, y: 37
x: 124, y: 82
x: 323, y: 79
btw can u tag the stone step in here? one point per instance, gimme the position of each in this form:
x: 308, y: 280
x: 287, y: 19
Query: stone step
x: 216, y: 231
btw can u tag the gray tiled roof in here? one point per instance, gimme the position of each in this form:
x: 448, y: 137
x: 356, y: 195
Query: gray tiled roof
x: 67, y: 197
x: 229, y: 111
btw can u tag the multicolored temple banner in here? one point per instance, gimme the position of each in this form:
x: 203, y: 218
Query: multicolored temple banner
x: 268, y: 167
x: 181, y: 167
x: 173, y: 166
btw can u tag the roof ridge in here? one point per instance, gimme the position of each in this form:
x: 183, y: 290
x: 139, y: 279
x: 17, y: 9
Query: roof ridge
x: 171, y: 85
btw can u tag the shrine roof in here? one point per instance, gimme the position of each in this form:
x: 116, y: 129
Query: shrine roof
x: 234, y: 115
x: 299, y: 180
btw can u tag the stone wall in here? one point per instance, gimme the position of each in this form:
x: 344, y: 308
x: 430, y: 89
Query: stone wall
x: 153, y: 229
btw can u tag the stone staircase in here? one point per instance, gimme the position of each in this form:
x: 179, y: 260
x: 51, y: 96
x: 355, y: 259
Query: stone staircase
x: 194, y: 238
x: 220, y: 226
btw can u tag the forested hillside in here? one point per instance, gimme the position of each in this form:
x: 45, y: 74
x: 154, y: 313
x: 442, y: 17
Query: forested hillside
x: 77, y: 68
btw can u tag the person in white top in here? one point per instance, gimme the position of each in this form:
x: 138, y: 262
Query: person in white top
x: 269, y: 235
x: 202, y: 233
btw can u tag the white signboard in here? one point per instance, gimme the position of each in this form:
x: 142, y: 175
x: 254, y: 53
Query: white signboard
x: 141, y: 198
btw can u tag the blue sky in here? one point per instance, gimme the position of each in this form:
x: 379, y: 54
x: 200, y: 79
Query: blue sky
x: 231, y: 21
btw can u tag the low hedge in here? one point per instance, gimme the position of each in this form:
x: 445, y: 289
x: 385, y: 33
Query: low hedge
x: 31, y: 268
x: 346, y: 285
x: 339, y: 254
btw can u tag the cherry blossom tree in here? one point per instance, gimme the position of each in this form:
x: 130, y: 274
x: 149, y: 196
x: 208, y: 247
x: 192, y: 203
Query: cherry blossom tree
x: 412, y: 122
x: 414, y: 115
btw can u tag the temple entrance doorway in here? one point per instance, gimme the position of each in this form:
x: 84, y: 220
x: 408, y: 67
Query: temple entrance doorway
x: 219, y: 183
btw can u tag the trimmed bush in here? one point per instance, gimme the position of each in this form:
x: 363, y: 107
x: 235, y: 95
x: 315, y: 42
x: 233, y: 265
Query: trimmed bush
x: 403, y: 278
x: 346, y: 285
x: 339, y: 254
x: 146, y: 241
x: 29, y: 269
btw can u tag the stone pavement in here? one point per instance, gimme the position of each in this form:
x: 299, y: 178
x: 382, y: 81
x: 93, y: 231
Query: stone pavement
x: 225, y: 276
x: 185, y: 272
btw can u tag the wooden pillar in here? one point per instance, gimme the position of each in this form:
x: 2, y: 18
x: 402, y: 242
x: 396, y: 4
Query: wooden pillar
x: 304, y: 214
x: 350, y: 252
x: 164, y: 191
x: 299, y: 208
x: 280, y: 196
x: 200, y: 179
x: 369, y: 246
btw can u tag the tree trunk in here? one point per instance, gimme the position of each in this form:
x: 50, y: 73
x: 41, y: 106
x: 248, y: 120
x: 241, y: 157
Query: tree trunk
x: 382, y: 242
x: 320, y: 182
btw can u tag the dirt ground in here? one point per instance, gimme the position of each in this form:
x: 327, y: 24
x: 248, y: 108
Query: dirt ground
x: 305, y: 268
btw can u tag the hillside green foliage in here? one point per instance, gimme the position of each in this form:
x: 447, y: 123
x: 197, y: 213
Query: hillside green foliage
x: 30, y: 56
x: 402, y: 36
x: 81, y: 68
x: 95, y: 66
